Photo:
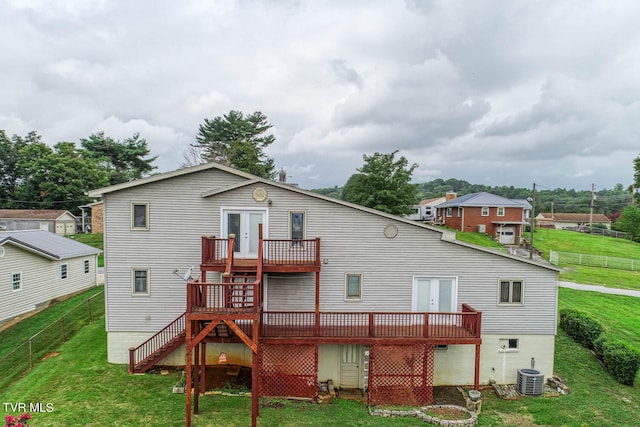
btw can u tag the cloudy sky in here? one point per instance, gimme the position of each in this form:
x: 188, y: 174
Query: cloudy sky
x: 492, y: 92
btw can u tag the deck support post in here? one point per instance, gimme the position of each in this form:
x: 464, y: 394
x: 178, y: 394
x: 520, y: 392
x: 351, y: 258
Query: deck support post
x: 196, y: 374
x: 203, y: 372
x: 476, y: 376
x: 317, y: 331
x: 187, y: 387
x: 255, y: 377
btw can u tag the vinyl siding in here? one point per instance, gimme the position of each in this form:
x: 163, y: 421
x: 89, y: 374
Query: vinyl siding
x: 178, y: 217
x: 41, y: 280
x: 352, y: 241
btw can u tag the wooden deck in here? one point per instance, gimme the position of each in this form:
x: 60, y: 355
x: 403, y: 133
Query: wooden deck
x: 278, y: 256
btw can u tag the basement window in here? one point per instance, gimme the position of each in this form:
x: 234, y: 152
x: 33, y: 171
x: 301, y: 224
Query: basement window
x: 508, y: 344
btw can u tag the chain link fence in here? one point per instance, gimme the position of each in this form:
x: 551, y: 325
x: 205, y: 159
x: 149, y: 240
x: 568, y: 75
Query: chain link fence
x: 43, y: 343
x: 569, y: 258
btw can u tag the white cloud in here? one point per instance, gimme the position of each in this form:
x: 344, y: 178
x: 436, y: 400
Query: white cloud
x: 491, y: 92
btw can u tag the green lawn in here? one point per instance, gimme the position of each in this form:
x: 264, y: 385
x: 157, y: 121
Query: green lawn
x: 21, y: 332
x: 571, y: 241
x: 85, y: 390
x: 95, y: 239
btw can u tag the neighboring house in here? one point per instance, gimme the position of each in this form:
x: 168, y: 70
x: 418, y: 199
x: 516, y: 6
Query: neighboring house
x: 305, y: 288
x: 93, y: 222
x: 56, y: 221
x: 570, y: 221
x: 37, y: 266
x: 426, y: 209
x: 487, y: 213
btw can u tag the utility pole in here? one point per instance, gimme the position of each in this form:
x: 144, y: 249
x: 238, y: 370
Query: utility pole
x: 533, y: 220
x: 593, y: 196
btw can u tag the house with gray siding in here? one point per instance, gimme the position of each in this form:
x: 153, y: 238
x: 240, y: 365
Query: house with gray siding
x: 37, y: 266
x: 54, y: 220
x: 304, y: 288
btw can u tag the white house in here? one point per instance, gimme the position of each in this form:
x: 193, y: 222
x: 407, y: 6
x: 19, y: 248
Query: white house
x: 316, y: 287
x: 37, y: 266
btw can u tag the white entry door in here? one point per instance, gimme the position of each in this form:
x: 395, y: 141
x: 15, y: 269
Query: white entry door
x: 435, y: 294
x: 350, y: 365
x: 244, y: 224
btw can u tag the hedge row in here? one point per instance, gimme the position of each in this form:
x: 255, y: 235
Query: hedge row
x: 619, y: 360
x: 580, y: 327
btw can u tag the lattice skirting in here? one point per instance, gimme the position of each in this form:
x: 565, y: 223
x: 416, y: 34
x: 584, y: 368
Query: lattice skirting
x: 401, y: 374
x: 289, y: 370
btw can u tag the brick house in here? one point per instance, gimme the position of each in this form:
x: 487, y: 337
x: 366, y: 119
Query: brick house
x: 487, y: 213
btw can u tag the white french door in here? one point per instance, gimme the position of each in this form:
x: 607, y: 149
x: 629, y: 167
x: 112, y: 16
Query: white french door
x: 435, y: 294
x: 244, y: 224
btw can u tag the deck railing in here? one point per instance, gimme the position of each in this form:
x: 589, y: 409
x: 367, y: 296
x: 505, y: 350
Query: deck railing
x: 283, y: 251
x: 465, y: 324
x: 232, y: 297
x: 214, y: 250
x: 156, y: 342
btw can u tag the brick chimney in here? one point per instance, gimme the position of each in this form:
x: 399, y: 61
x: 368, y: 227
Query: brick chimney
x: 450, y: 195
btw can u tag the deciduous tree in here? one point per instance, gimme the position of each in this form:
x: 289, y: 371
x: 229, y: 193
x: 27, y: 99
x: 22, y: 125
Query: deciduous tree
x: 57, y: 178
x: 10, y: 175
x: 383, y: 183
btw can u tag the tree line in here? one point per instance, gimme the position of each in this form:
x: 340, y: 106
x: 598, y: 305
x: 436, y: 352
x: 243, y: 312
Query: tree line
x: 34, y: 175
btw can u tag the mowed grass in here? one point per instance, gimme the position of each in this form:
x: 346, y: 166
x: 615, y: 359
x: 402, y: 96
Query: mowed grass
x: 618, y: 314
x: 86, y: 390
x: 571, y: 241
x: 19, y: 333
x: 94, y: 239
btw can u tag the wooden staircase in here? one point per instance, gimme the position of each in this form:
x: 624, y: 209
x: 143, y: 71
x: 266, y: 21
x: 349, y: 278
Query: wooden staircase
x: 156, y: 348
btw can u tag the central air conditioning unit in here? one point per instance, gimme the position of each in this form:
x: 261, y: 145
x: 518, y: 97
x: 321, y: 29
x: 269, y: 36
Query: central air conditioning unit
x: 530, y: 382
x: 482, y: 228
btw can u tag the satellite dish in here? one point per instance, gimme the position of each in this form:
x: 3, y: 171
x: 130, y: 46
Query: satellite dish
x: 188, y: 275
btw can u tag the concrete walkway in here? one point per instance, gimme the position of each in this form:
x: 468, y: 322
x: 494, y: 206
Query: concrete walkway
x: 601, y: 289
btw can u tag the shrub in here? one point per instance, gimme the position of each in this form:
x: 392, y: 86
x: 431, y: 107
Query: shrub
x: 619, y: 360
x: 580, y: 327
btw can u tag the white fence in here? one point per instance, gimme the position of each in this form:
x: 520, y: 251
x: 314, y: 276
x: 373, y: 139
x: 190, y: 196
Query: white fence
x: 564, y: 258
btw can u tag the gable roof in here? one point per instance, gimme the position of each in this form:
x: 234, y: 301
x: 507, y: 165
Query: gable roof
x: 99, y: 192
x: 574, y: 217
x: 49, y: 245
x: 41, y: 214
x: 446, y: 235
x: 485, y: 199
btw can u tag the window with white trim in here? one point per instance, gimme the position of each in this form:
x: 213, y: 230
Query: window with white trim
x: 449, y: 212
x: 500, y: 211
x: 511, y: 292
x: 353, y: 286
x: 139, y: 216
x: 64, y: 271
x: 297, y: 228
x: 86, y: 266
x: 140, y: 281
x: 484, y: 211
x: 16, y: 281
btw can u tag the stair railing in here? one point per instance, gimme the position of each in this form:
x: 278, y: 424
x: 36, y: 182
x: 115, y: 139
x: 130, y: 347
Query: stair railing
x: 156, y: 342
